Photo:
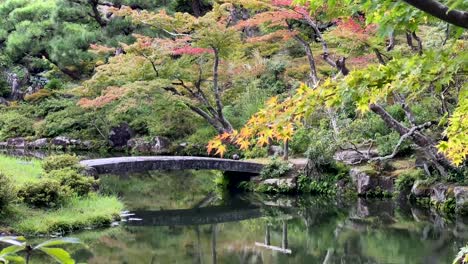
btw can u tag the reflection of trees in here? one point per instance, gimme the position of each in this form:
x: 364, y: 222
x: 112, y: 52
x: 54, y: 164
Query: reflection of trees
x: 315, y: 230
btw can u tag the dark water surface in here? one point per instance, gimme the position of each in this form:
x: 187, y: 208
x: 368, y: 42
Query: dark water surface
x: 183, y: 221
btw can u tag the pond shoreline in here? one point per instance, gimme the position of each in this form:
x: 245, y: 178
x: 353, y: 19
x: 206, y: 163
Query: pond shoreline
x: 50, y: 201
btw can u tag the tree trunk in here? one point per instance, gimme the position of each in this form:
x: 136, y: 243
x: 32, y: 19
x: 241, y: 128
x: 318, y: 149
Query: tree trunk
x: 441, y: 163
x: 286, y: 150
x: 219, y: 104
x: 310, y: 59
x: 197, y: 8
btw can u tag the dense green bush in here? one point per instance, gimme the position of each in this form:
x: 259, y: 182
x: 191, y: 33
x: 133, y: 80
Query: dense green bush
x: 54, y: 84
x: 78, y: 183
x: 13, y: 124
x: 73, y: 121
x: 47, y: 193
x: 321, y: 149
x: 38, y: 96
x: 58, y: 162
x: 7, y: 192
x: 326, y: 186
x: 386, y: 144
x: 4, y: 88
x: 405, y: 181
x: 51, y: 105
x: 300, y: 141
x: 275, y: 169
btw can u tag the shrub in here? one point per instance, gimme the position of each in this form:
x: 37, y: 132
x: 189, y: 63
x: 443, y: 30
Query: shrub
x: 72, y: 121
x: 405, y: 181
x: 13, y: 124
x: 386, y: 144
x: 38, y: 96
x: 76, y: 182
x: 7, y: 192
x: 300, y: 141
x: 47, y: 193
x: 321, y: 150
x: 275, y: 169
x: 51, y: 105
x: 58, y: 162
x: 54, y: 84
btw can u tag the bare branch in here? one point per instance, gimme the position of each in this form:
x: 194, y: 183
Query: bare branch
x: 402, y: 138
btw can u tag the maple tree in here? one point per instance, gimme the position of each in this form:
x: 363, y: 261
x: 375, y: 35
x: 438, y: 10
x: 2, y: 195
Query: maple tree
x: 188, y: 62
x: 405, y: 80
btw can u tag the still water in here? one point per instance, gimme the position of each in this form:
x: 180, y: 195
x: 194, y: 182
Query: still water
x: 179, y: 219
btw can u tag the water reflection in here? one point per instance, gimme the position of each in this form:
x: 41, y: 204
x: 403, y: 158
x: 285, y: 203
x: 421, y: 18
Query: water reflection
x: 185, y: 224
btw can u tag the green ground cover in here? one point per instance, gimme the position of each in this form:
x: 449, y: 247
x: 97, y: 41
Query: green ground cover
x: 74, y: 213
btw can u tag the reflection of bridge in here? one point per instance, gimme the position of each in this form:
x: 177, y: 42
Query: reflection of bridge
x: 140, y: 164
x: 195, y: 216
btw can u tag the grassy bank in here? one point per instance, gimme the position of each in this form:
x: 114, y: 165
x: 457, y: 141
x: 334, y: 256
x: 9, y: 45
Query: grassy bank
x: 76, y: 212
x: 21, y: 170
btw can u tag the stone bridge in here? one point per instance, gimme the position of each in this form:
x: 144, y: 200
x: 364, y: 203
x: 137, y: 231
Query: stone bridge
x: 140, y: 164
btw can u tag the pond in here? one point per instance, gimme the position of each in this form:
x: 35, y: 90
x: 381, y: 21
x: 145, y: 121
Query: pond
x: 177, y: 217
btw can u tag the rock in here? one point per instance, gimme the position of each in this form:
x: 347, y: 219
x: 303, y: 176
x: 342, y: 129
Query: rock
x: 157, y: 145
x: 439, y: 193
x: 3, y: 101
x: 75, y: 142
x: 235, y: 157
x: 60, y: 141
x: 39, y: 143
x: 420, y: 189
x: 120, y: 135
x: 461, y: 199
x: 16, y: 143
x: 351, y: 157
x: 86, y: 145
x: 366, y: 183
x: 139, y: 145
x: 160, y: 145
x: 3, y: 144
x: 287, y: 182
x: 275, y: 151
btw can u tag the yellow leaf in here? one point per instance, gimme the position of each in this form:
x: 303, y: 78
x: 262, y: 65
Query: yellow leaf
x: 221, y: 150
x: 262, y: 141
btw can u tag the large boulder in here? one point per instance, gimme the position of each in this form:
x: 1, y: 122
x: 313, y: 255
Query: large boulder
x: 3, y: 101
x: 367, y: 183
x: 290, y: 183
x: 120, y: 135
x: 160, y: 145
x: 139, y: 145
x: 352, y: 157
x: 65, y: 142
x: 420, y: 189
x: 16, y: 143
x: 39, y: 143
x: 461, y: 199
x: 156, y: 145
x: 439, y: 193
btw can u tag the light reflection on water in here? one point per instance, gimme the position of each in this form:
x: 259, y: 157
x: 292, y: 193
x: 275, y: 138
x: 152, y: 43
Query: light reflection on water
x: 183, y: 221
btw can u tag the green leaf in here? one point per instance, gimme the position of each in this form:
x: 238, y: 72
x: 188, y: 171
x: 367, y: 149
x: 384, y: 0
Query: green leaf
x: 14, y: 259
x: 11, y: 250
x: 58, y: 254
x: 59, y: 241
